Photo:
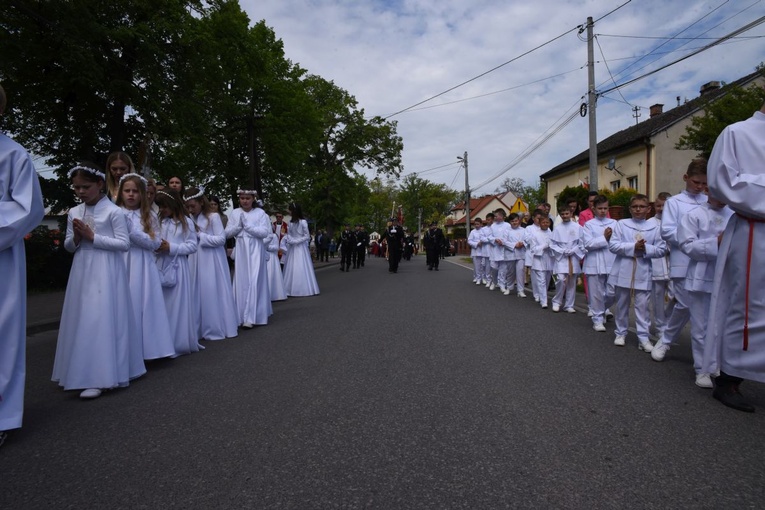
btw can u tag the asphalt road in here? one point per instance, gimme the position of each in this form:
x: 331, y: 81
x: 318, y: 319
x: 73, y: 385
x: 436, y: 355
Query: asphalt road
x: 408, y: 390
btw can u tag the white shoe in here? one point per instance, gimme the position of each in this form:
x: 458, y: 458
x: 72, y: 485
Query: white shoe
x: 619, y: 340
x: 506, y: 292
x: 536, y: 299
x: 522, y: 294
x: 556, y: 308
x: 646, y: 346
x: 478, y: 282
x: 248, y: 325
x: 609, y: 315
x: 704, y: 381
x: 90, y: 393
x: 589, y: 313
x: 659, y: 351
x: 599, y: 327
x: 485, y: 281
x: 570, y: 310
x: 492, y: 287
x: 544, y: 306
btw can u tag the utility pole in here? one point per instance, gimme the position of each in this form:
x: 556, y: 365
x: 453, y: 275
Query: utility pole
x: 636, y: 109
x: 464, y: 160
x: 591, y: 104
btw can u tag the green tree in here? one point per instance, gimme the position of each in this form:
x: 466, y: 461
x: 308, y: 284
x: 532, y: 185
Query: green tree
x: 735, y: 105
x: 435, y: 200
x: 532, y: 195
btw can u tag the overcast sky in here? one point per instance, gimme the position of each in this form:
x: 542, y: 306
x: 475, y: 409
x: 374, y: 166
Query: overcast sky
x: 394, y: 54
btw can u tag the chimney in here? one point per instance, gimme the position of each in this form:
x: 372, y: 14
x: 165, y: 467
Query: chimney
x: 709, y: 87
x: 656, y: 109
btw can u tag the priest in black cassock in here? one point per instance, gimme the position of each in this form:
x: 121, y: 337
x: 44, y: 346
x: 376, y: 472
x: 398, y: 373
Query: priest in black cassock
x: 395, y: 238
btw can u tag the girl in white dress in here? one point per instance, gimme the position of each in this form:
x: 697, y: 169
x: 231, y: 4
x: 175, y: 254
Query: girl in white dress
x: 275, y: 276
x: 143, y: 275
x: 217, y: 312
x: 178, y: 241
x: 251, y: 226
x: 97, y: 323
x: 299, y: 276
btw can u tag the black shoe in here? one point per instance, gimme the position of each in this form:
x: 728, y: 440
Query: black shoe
x: 730, y: 396
x: 430, y: 268
x: 436, y: 268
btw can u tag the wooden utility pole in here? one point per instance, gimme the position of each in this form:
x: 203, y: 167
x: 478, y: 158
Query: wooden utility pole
x: 592, y: 99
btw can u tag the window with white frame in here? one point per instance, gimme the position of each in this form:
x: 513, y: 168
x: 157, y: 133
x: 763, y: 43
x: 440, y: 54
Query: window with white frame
x: 615, y: 185
x: 632, y: 182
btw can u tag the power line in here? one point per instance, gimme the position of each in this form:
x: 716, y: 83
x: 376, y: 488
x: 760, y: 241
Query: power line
x: 431, y: 170
x: 673, y: 38
x: 605, y: 62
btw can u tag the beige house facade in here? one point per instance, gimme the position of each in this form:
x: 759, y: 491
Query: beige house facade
x: 642, y: 157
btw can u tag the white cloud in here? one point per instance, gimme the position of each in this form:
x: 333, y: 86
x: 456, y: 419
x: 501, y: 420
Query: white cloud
x: 393, y: 54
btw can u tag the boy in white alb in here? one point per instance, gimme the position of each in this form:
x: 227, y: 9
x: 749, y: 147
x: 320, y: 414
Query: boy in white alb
x: 598, y: 262
x: 568, y: 250
x: 660, y: 291
x: 635, y: 242
x: 542, y: 260
x: 527, y: 235
x: 517, y: 257
x: 476, y: 250
x: 699, y: 235
x: 500, y: 233
x: 486, y: 249
x: 676, y: 207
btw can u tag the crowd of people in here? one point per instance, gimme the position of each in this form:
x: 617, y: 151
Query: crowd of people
x: 150, y: 276
x: 693, y: 260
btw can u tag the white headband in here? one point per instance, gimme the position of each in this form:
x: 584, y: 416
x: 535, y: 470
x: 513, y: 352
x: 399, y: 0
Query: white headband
x: 87, y: 169
x: 247, y: 192
x: 160, y: 192
x: 198, y: 195
x: 132, y: 174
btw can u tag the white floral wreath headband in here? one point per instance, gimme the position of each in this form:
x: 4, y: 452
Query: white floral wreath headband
x: 132, y: 174
x: 87, y: 169
x: 160, y: 192
x: 247, y: 192
x: 198, y: 195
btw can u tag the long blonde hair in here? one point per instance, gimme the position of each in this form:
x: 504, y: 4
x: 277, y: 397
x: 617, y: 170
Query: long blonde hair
x: 144, y: 206
x: 112, y: 186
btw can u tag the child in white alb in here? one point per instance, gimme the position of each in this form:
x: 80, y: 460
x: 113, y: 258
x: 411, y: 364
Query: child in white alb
x: 598, y: 262
x: 516, y: 265
x: 542, y: 260
x: 660, y: 288
x: 568, y: 250
x: 499, y: 236
x: 476, y: 250
x: 529, y: 232
x: 699, y: 233
x: 486, y: 250
x: 635, y: 242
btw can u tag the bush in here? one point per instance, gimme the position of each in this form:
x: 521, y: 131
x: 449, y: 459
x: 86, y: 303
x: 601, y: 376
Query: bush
x: 48, y: 263
x: 620, y: 197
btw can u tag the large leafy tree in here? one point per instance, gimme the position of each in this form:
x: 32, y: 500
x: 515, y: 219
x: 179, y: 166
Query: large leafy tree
x: 735, y: 105
x: 425, y: 199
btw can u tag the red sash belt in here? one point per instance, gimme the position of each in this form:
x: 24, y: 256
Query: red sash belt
x: 751, y: 222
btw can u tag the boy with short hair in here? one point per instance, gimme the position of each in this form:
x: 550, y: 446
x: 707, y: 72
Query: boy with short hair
x: 660, y: 291
x: 699, y: 234
x: 498, y: 238
x: 542, y: 261
x: 598, y: 262
x: 635, y: 242
x: 516, y: 257
x: 476, y: 250
x: 530, y: 230
x: 676, y: 207
x: 486, y: 249
x: 568, y: 250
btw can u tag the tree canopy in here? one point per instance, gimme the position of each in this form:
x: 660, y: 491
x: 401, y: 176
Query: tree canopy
x: 189, y: 88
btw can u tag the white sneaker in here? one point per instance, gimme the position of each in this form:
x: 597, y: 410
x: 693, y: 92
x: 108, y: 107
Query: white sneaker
x: 522, y: 294
x: 544, y: 306
x: 704, y: 381
x: 556, y: 308
x: 619, y: 340
x: 536, y: 299
x: 659, y: 351
x: 90, y: 393
x: 485, y: 282
x: 646, y: 346
x: 247, y: 325
x: 492, y: 287
x: 570, y: 310
x: 599, y: 327
x: 478, y: 282
x: 506, y: 292
x: 609, y: 315
x: 589, y: 313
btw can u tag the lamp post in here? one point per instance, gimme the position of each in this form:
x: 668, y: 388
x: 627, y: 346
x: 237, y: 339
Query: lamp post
x: 464, y: 159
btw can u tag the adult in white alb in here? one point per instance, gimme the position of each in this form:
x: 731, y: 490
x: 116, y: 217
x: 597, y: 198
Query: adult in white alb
x: 275, y: 274
x: 21, y: 209
x: 735, y: 343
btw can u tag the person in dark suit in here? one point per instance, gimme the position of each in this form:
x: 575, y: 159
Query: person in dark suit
x: 323, y: 246
x: 394, y: 237
x: 347, y: 247
x: 362, y: 242
x: 433, y: 242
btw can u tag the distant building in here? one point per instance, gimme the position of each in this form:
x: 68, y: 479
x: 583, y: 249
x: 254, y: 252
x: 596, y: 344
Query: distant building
x: 643, y: 156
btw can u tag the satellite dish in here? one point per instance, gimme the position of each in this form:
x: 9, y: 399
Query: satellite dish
x: 611, y: 165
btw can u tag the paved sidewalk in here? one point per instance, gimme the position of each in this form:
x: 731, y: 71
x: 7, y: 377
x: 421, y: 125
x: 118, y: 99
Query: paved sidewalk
x: 44, y: 308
